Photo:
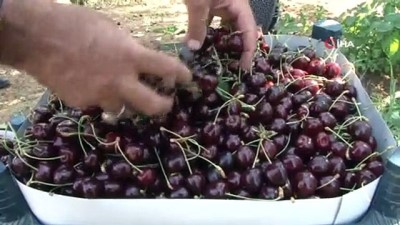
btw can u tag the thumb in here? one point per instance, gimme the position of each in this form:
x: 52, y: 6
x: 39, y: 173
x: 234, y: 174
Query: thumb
x: 198, y: 11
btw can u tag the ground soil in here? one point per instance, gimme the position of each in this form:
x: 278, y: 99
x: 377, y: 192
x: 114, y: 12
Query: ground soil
x: 152, y: 24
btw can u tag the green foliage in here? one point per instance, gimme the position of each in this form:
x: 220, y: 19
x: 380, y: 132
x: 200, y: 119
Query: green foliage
x: 374, y: 29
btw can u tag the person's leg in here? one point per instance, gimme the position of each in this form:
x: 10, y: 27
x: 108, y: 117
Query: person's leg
x: 4, y: 83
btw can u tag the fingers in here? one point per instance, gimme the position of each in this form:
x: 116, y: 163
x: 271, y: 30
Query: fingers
x: 198, y: 12
x: 245, y: 22
x: 161, y: 65
x: 142, y: 98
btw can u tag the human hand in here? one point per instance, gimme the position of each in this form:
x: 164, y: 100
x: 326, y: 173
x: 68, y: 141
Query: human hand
x: 236, y: 12
x: 84, y: 58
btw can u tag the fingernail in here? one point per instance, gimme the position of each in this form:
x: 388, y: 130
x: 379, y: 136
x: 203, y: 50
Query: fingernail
x: 193, y: 44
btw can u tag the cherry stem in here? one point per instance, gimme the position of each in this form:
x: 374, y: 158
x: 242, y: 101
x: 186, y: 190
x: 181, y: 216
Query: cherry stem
x: 163, y: 170
x: 357, y: 107
x: 64, y: 117
x: 44, y: 159
x: 349, y: 189
x: 220, y: 170
x: 126, y: 159
x: 339, y: 136
x: 218, y: 60
x: 337, y: 176
x: 305, y: 88
x: 81, y: 120
x: 184, y: 155
x: 337, y: 99
x: 48, y: 184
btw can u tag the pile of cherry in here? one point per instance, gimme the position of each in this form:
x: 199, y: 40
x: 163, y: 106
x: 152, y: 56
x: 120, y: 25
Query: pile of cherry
x: 289, y: 129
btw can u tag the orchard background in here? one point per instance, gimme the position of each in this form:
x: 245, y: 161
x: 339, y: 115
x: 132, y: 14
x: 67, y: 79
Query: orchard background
x: 372, y: 26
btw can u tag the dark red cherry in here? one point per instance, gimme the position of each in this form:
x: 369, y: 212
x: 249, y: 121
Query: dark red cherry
x: 360, y: 130
x: 360, y: 151
x: 174, y: 162
x: 249, y: 133
x: 376, y: 167
x: 233, y: 180
x: 322, y: 142
x: 234, y: 108
x: 364, y: 177
x: 349, y: 180
x: 211, y: 133
x: 269, y: 192
x: 268, y: 150
x: 92, y: 161
x: 329, y: 187
x: 196, y: 183
x: 226, y: 160
x: 328, y: 120
x: 147, y: 177
x: 63, y: 174
x: 132, y: 191
x: 292, y: 163
x: 216, y: 190
x: 232, y: 123
x: 337, y: 166
x: 244, y: 156
x: 319, y: 165
x: 252, y: 180
x: 210, y: 152
x: 134, y: 153
x: 121, y: 170
x: 304, y: 146
x: 278, y: 125
x: 339, y: 148
x: 92, y: 188
x: 334, y: 88
x: 276, y: 173
x: 304, y: 184
x: 232, y: 142
x: 208, y: 83
x: 112, y: 189
x: 176, y: 180
x: 45, y: 172
x: 179, y: 193
x: 312, y: 126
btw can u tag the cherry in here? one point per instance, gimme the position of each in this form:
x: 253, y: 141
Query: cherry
x: 301, y: 62
x: 77, y: 187
x: 92, y: 161
x: 332, y: 70
x: 360, y: 130
x: 158, y: 186
x: 63, y: 174
x: 334, y: 88
x: 312, y: 86
x: 196, y: 183
x: 305, y: 184
x: 176, y: 180
x: 329, y: 187
x: 179, y: 193
x: 42, y: 131
x: 213, y: 175
x: 312, y: 126
x: 301, y: 98
x: 250, y: 99
x: 360, y: 151
x: 134, y: 153
x: 232, y: 123
x: 102, y: 176
x: 252, y: 180
x: 208, y: 83
x: 232, y: 142
x: 235, y: 43
x: 263, y: 113
x: 45, y: 172
x: 318, y: 107
x: 234, y: 179
x: 262, y: 66
x: 211, y: 153
x: 376, y: 167
x: 121, y: 170
x: 278, y: 125
x: 41, y: 114
x: 174, y: 162
x: 319, y: 165
x: 316, y: 67
x: 337, y: 166
x: 132, y: 191
x: 234, y: 108
x: 112, y: 189
x: 364, y: 177
x: 244, y: 156
x: 225, y: 160
x: 304, y: 146
x: 249, y: 133
x: 276, y: 173
x: 268, y: 148
x: 322, y: 142
x: 340, y: 110
x: 349, y: 180
x: 268, y: 192
x: 327, y: 119
x: 216, y: 190
x: 292, y: 163
x: 339, y: 148
x: 92, y: 188
x: 212, y: 99
x: 211, y: 133
x: 352, y: 90
x: 147, y: 177
x: 286, y: 104
x: 275, y: 94
x: 256, y: 80
x: 280, y: 141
